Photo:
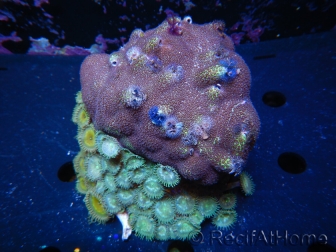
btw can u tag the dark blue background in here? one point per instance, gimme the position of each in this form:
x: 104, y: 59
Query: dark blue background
x: 37, y: 137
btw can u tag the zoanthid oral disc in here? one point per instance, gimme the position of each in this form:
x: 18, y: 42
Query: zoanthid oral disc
x: 100, y: 187
x: 228, y: 201
x: 225, y: 219
x: 164, y: 211
x: 122, y: 180
x: 79, y: 163
x: 139, y: 175
x: 152, y: 188
x: 112, y: 166
x: 143, y: 201
x: 110, y: 183
x: 185, y: 204
x: 208, y: 206
x: 247, y: 183
x: 130, y: 160
x: 81, y: 185
x: 162, y: 233
x: 96, y: 209
x: 80, y: 116
x: 167, y: 175
x: 108, y: 146
x: 196, y: 218
x: 126, y: 197
x: 94, y: 169
x: 185, y: 230
x: 87, y: 139
x: 145, y: 227
x: 133, y: 209
x: 90, y: 184
x: 79, y: 98
x: 112, y: 203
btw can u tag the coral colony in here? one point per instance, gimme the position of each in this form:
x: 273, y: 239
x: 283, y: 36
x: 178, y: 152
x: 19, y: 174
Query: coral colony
x: 165, y: 126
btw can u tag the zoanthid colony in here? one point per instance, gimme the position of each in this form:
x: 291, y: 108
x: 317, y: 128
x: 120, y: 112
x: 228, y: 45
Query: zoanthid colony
x: 149, y: 198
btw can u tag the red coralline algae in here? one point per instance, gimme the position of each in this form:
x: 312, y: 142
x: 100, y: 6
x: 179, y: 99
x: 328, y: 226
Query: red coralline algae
x: 191, y: 77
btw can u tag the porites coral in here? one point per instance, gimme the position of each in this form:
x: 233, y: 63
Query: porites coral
x: 164, y: 75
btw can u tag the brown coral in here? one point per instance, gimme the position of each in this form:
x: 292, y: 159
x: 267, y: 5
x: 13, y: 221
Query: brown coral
x: 192, y: 76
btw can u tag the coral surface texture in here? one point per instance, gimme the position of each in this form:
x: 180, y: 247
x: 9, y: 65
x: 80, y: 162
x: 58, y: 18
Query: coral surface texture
x: 177, y: 95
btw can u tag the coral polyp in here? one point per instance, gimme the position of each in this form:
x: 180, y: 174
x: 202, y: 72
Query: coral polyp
x: 212, y: 75
x: 96, y: 209
x: 87, y: 139
x: 175, y: 27
x: 225, y: 219
x: 185, y: 204
x: 110, y: 183
x: 112, y: 203
x: 110, y: 165
x: 122, y: 180
x: 236, y: 165
x: 139, y: 175
x: 167, y: 175
x: 196, y: 218
x: 154, y: 64
x: 79, y: 163
x: 202, y: 128
x: 79, y: 98
x: 162, y: 233
x: 145, y: 227
x: 153, y: 44
x: 190, y: 139
x: 247, y: 183
x: 143, y: 201
x: 126, y: 197
x: 207, y: 206
x: 81, y: 185
x: 215, y: 92
x: 152, y: 188
x: 131, y: 161
x: 107, y: 146
x: 164, y: 211
x: 80, y: 116
x: 94, y: 169
x: 185, y: 229
x: 228, y: 201
x: 206, y: 123
x: 100, y: 187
